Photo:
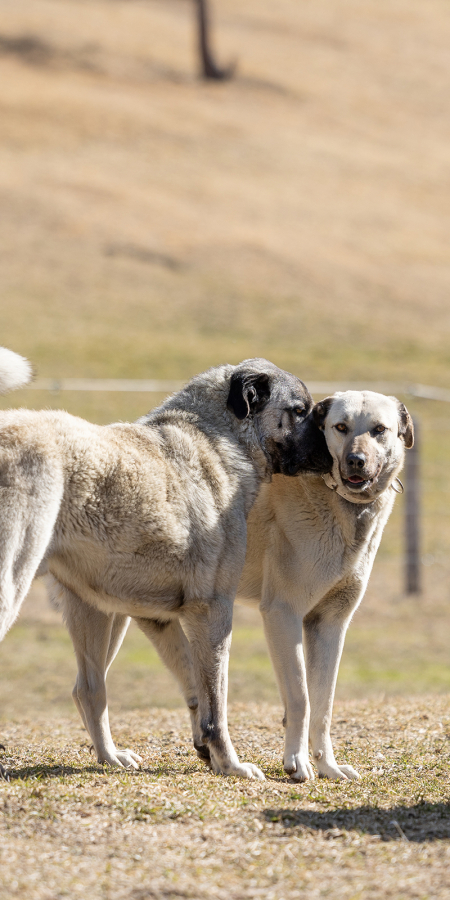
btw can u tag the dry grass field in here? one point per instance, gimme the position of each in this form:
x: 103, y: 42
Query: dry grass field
x: 175, y: 831
x: 152, y: 225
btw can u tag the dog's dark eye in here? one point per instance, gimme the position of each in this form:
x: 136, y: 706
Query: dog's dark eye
x: 341, y: 427
x: 299, y: 411
x: 380, y: 429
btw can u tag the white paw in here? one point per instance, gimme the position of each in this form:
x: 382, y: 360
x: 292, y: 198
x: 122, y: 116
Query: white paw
x: 338, y: 773
x: 248, y: 770
x: 298, y: 767
x: 123, y: 759
x: 240, y: 770
x: 350, y: 773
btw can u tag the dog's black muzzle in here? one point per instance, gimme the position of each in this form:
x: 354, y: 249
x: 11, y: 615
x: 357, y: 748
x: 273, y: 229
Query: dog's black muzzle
x: 304, y: 450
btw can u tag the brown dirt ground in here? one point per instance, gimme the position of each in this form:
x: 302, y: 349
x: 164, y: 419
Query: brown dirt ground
x: 174, y: 830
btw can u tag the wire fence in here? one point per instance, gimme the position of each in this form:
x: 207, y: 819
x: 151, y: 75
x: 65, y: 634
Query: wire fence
x: 152, y: 386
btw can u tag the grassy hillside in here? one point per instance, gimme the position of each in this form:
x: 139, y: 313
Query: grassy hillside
x: 152, y: 225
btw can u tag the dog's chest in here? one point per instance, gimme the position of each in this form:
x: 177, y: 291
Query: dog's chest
x: 349, y: 533
x: 328, y: 541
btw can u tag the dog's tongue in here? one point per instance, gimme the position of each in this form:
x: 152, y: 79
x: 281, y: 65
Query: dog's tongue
x: 356, y: 479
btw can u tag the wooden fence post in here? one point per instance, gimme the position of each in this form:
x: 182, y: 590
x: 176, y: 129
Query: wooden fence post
x: 210, y: 69
x: 412, y: 516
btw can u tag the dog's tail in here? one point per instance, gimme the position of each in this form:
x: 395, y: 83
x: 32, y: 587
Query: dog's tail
x: 15, y: 371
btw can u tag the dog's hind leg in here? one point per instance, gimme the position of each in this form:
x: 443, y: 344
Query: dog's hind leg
x: 174, y: 649
x: 96, y: 638
x: 119, y: 629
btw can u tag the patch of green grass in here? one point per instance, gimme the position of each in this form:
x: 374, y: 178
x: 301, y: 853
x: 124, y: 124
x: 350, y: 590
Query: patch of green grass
x: 193, y: 334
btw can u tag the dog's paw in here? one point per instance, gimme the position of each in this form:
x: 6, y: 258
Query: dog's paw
x: 298, y: 768
x: 350, y: 773
x: 123, y: 759
x: 238, y: 769
x: 248, y: 770
x: 338, y: 773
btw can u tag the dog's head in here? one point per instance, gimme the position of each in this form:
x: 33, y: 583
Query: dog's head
x: 366, y: 434
x: 279, y: 407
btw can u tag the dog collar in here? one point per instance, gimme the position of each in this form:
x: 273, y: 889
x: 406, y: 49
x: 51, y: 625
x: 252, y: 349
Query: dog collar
x: 396, y: 486
x: 330, y: 483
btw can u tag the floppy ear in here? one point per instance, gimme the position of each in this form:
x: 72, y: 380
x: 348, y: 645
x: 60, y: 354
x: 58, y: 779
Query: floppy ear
x: 405, y: 425
x: 248, y: 394
x: 321, y: 410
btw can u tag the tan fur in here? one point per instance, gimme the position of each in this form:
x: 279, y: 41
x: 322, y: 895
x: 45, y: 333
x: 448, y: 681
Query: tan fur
x: 311, y: 546
x: 149, y: 520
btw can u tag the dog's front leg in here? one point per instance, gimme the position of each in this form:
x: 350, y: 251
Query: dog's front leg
x: 283, y: 628
x: 324, y: 635
x: 209, y: 630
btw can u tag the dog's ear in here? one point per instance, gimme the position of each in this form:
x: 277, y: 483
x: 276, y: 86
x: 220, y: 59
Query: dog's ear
x: 321, y: 410
x: 405, y: 425
x: 248, y: 394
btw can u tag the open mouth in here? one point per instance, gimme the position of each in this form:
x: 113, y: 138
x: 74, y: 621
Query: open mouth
x: 357, y: 482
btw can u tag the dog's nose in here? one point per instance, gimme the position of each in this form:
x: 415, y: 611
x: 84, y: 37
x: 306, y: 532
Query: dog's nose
x: 356, y: 460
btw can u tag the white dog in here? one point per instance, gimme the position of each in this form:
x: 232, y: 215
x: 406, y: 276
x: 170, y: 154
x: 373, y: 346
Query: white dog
x: 149, y: 520
x: 311, y: 545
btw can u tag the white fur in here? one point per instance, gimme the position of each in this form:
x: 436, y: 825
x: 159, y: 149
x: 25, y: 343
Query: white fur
x: 310, y: 550
x: 15, y: 371
x: 145, y: 520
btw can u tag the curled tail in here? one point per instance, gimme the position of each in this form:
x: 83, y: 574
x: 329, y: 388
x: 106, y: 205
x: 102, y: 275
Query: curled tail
x: 15, y: 371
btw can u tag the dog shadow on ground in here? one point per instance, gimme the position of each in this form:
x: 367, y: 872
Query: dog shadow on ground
x: 417, y: 823
x: 42, y: 772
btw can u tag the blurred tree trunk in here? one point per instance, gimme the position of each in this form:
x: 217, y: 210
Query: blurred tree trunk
x: 209, y: 68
